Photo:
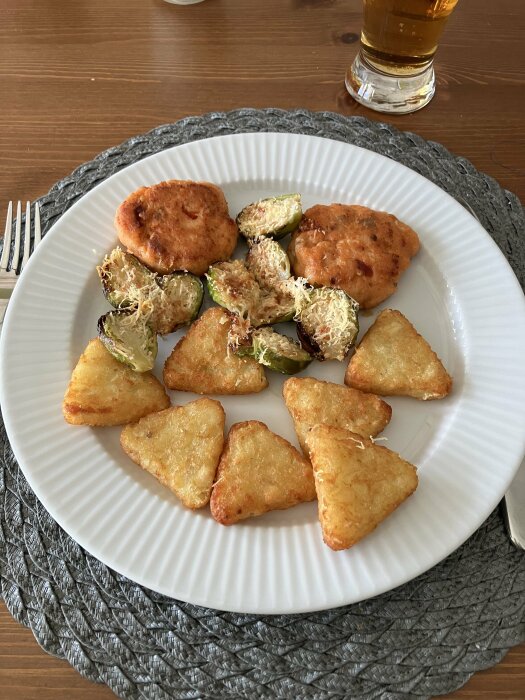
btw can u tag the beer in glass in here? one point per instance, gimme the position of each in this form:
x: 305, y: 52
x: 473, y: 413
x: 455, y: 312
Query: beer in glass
x: 393, y: 71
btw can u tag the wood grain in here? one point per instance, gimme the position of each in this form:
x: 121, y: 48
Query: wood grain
x: 79, y: 77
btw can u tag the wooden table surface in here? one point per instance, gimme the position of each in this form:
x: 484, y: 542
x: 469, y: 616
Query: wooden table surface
x: 79, y: 76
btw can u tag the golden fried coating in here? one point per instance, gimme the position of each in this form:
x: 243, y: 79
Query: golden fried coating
x: 392, y: 359
x: 177, y: 225
x: 259, y: 471
x: 201, y: 362
x: 358, y: 483
x: 103, y: 391
x: 353, y: 248
x: 181, y: 447
x: 312, y: 401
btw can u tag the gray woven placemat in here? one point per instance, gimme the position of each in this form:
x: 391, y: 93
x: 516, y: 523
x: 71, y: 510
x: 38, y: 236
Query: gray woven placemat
x: 423, y: 639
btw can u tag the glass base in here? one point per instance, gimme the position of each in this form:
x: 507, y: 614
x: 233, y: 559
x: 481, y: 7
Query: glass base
x: 394, y: 94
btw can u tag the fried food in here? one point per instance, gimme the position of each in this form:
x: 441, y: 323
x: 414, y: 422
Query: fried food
x: 181, y: 447
x: 312, y: 401
x: 392, y: 359
x: 103, y: 391
x: 201, y: 362
x: 353, y: 248
x: 258, y: 472
x: 177, y: 225
x: 358, y: 483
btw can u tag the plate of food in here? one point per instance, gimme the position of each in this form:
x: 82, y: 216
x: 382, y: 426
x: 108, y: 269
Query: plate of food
x: 266, y: 373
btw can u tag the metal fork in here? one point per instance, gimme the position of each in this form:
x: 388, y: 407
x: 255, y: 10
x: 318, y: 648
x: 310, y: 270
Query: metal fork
x: 12, y: 265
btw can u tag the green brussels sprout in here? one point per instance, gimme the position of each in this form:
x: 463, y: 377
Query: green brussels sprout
x: 273, y: 217
x: 268, y: 262
x: 275, y: 351
x: 125, y: 280
x: 232, y: 286
x: 130, y: 340
x: 275, y: 306
x: 165, y: 301
x: 327, y: 323
x: 179, y: 302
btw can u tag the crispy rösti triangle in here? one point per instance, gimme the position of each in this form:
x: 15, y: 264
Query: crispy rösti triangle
x: 181, y: 447
x: 103, y: 391
x: 358, y: 483
x: 312, y: 401
x: 200, y: 362
x: 259, y: 471
x: 394, y: 360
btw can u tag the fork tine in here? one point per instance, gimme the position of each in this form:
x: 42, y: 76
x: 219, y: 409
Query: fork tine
x: 27, y: 236
x: 18, y: 236
x: 7, y: 238
x: 38, y: 235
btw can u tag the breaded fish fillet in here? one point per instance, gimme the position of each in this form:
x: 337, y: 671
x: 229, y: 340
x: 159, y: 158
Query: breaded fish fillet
x: 104, y: 391
x: 312, y: 401
x: 354, y: 248
x: 358, y: 483
x: 259, y: 471
x: 177, y: 225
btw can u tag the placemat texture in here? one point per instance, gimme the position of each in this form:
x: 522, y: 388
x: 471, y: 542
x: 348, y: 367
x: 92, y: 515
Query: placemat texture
x: 420, y: 640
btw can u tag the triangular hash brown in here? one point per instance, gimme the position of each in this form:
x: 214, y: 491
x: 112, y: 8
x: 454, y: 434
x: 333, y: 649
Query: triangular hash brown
x: 202, y: 363
x: 104, y: 391
x: 358, y: 483
x: 181, y: 447
x: 258, y: 472
x: 394, y: 360
x: 312, y: 401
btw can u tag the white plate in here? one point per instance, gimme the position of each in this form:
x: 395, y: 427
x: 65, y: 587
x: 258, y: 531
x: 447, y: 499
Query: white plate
x: 460, y: 294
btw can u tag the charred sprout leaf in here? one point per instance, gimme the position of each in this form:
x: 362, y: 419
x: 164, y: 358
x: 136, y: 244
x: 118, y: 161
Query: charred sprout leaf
x: 276, y: 351
x: 268, y: 262
x: 129, y: 339
x: 327, y: 323
x: 273, y: 217
x: 125, y: 280
x: 232, y: 286
x: 179, y: 303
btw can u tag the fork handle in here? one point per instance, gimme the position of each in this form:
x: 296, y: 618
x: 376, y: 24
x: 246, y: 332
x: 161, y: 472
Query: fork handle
x: 3, y: 309
x: 515, y: 508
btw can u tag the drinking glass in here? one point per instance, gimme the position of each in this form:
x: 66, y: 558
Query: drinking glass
x: 393, y: 71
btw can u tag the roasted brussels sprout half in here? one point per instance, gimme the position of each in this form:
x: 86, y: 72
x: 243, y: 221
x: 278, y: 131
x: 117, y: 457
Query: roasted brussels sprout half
x: 275, y: 351
x: 275, y: 306
x: 273, y: 217
x: 127, y: 336
x: 179, y: 303
x: 232, y: 286
x: 165, y: 302
x: 268, y: 262
x: 125, y: 280
x: 327, y: 324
